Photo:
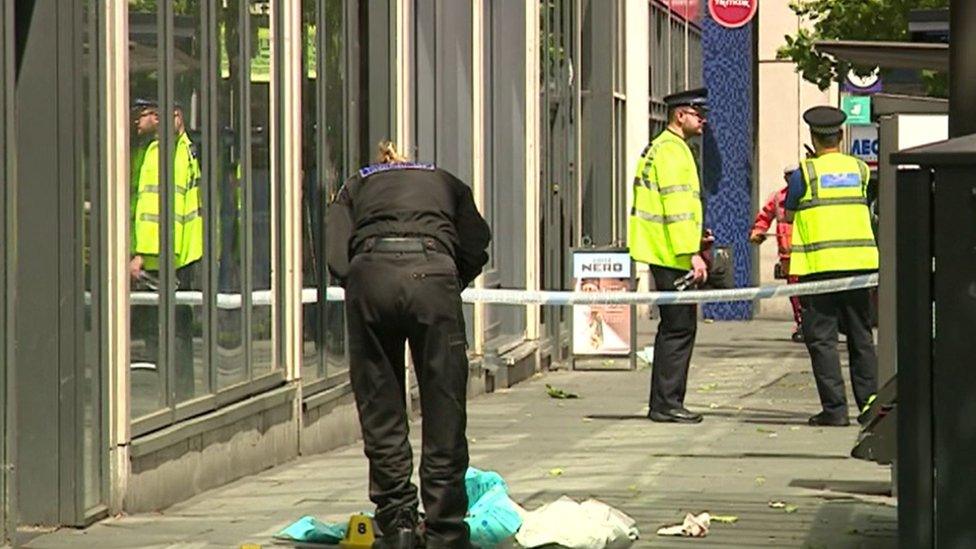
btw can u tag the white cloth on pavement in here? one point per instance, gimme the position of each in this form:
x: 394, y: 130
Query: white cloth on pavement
x: 694, y: 526
x: 588, y: 525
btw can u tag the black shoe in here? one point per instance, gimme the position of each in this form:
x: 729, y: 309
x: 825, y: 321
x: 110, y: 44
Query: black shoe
x: 399, y: 533
x: 797, y: 337
x: 401, y: 538
x: 675, y: 415
x: 823, y: 419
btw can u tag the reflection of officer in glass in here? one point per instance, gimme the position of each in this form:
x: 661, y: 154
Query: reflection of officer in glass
x: 833, y: 238
x: 405, y: 238
x: 187, y: 232
x: 665, y: 231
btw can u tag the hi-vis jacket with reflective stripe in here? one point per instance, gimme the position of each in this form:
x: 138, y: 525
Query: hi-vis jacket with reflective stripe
x: 832, y: 227
x: 146, y: 216
x: 665, y: 226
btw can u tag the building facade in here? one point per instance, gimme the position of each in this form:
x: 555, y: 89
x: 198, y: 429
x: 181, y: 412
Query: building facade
x: 130, y: 393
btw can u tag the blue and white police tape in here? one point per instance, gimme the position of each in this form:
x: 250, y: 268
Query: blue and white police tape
x: 548, y: 297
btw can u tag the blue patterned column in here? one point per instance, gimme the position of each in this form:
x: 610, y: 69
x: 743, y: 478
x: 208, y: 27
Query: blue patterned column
x: 728, y: 150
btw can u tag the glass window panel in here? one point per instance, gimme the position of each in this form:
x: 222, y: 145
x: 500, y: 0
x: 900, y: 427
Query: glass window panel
x: 261, y: 184
x: 488, y: 204
x: 5, y: 87
x: 229, y: 199
x: 334, y: 169
x: 620, y: 48
x: 312, y: 266
x: 677, y: 55
x: 147, y: 375
x: 661, y: 52
x: 90, y: 386
x: 695, y: 63
x: 192, y: 374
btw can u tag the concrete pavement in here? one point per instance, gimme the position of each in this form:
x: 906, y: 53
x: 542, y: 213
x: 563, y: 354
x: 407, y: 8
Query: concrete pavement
x: 754, y: 447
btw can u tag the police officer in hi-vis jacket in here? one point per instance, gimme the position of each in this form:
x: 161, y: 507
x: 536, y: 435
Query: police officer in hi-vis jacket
x: 666, y: 232
x: 833, y: 238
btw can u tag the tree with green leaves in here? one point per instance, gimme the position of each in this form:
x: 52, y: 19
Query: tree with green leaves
x: 872, y: 20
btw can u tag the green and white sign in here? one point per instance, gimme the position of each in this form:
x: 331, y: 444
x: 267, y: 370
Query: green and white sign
x: 858, y: 110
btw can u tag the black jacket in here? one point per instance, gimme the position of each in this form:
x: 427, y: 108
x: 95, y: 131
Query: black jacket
x: 406, y: 200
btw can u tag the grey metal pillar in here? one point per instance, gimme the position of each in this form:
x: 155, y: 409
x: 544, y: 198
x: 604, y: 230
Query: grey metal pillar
x: 962, y: 68
x: 7, y: 396
x: 46, y: 221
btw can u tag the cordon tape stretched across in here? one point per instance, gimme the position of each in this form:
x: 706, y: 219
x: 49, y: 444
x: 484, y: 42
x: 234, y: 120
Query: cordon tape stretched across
x: 547, y: 297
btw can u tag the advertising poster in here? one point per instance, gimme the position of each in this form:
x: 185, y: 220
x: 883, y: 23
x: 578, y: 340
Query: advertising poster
x: 601, y: 329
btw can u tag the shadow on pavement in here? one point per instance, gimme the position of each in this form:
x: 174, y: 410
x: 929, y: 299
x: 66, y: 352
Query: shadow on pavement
x: 853, y: 523
x: 752, y: 455
x: 859, y: 487
x: 617, y: 417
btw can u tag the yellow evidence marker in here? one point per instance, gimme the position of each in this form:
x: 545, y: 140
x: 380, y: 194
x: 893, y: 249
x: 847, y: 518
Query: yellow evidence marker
x: 360, y: 534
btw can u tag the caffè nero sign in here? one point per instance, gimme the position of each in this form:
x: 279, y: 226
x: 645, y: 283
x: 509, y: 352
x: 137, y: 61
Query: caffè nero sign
x: 732, y: 13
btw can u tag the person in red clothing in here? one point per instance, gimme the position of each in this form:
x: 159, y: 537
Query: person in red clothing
x: 775, y: 210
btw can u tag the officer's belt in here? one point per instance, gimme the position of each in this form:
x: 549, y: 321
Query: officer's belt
x: 402, y: 245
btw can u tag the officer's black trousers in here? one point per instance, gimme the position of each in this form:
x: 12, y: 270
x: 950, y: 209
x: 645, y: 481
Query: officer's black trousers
x: 672, y: 346
x: 145, y: 325
x: 392, y: 298
x: 821, y: 316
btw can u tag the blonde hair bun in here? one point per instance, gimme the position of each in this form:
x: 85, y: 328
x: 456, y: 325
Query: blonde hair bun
x: 387, y: 153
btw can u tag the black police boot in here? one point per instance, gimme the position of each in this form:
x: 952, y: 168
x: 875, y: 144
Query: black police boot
x: 400, y: 533
x: 823, y: 419
x: 400, y: 538
x: 675, y: 415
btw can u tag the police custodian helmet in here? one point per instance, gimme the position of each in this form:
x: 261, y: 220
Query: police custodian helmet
x: 824, y: 120
x: 697, y: 98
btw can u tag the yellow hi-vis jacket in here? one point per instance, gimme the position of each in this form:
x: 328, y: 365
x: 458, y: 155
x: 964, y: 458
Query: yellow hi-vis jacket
x: 832, y: 226
x: 187, y: 214
x: 665, y: 227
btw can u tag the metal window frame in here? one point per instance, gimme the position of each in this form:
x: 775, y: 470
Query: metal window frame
x: 477, y: 143
x: 321, y: 185
x: 72, y: 282
x: 7, y: 406
x: 488, y: 324
x: 209, y: 177
x: 286, y: 133
x: 96, y: 27
x: 165, y: 91
x: 247, y: 215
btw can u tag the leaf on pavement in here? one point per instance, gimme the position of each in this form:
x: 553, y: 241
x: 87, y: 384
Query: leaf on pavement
x: 725, y: 519
x: 559, y: 393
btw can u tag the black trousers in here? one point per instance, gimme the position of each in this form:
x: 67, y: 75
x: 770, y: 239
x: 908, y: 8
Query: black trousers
x: 673, y: 344
x: 822, y: 314
x: 145, y: 324
x: 393, y: 298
